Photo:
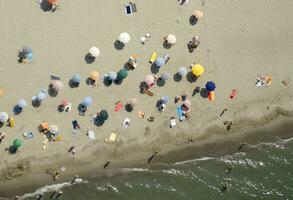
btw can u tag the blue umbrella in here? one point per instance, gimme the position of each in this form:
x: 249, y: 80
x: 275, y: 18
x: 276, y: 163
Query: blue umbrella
x: 160, y: 62
x: 165, y: 99
x: 42, y: 95
x: 112, y: 75
x: 87, y: 101
x: 22, y: 103
x: 182, y: 71
x: 210, y: 86
x: 76, y: 78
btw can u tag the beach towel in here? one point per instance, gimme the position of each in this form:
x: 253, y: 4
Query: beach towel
x: 28, y: 135
x: 112, y: 138
x: 180, y: 113
x: 91, y: 134
x: 2, y: 92
x: 118, y: 107
x: 172, y: 122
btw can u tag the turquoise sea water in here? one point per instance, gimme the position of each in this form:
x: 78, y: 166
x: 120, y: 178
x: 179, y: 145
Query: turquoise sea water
x: 262, y: 171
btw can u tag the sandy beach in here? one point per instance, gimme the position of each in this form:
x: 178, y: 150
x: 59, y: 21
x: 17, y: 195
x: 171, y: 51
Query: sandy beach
x: 238, y: 41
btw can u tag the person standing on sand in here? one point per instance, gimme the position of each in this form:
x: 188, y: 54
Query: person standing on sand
x: 152, y: 157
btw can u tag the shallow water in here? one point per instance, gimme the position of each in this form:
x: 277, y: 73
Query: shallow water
x: 262, y: 171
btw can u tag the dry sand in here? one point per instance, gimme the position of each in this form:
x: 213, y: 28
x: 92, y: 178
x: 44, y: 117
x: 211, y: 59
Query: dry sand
x: 239, y: 40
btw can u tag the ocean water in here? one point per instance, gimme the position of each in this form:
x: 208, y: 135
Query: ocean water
x: 262, y: 171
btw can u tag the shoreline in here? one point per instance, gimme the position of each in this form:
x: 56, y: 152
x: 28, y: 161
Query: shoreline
x: 280, y: 127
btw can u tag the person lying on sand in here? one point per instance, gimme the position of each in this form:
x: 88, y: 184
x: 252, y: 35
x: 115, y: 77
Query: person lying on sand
x: 222, y: 113
x: 107, y: 164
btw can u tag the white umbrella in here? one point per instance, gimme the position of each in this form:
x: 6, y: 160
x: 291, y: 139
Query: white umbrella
x: 171, y: 39
x: 124, y: 38
x: 4, y: 117
x: 54, y: 129
x: 94, y: 51
x: 22, y: 103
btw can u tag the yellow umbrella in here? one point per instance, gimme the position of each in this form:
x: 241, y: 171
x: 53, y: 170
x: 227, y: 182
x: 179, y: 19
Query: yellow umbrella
x: 197, y: 69
x: 94, y: 75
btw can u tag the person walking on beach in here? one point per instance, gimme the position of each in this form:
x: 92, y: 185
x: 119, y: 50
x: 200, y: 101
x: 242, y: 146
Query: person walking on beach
x: 107, y: 164
x: 152, y: 157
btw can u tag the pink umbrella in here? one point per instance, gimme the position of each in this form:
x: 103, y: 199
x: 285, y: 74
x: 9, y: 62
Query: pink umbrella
x: 187, y: 103
x: 57, y: 85
x: 149, y: 79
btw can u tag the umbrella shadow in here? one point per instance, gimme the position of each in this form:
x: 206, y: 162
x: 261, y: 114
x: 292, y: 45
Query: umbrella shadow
x: 98, y: 122
x: 143, y: 86
x: 45, y: 6
x: 177, y: 77
x: 118, y: 81
x: 81, y: 109
x: 17, y: 110
x: 89, y: 81
x: 193, y: 20
x: 128, y: 67
x: 128, y: 107
x: 36, y: 103
x: 160, y: 82
x: 154, y: 68
x: 52, y: 92
x: 196, y: 90
x: 166, y: 45
x: 73, y: 84
x: 21, y: 55
x: 118, y: 45
x: 89, y: 59
x: 1, y: 124
x: 107, y: 81
x: 12, y: 149
x: 191, y: 77
x: 204, y: 93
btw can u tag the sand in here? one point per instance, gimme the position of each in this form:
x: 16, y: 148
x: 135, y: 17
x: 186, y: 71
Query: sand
x: 239, y: 40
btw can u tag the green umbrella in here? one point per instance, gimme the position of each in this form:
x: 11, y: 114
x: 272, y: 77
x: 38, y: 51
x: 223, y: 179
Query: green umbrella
x: 16, y: 143
x: 122, y: 74
x: 103, y: 115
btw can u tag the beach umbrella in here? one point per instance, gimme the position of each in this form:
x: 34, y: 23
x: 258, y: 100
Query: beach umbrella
x: 187, y: 103
x: 103, y: 115
x: 210, y: 86
x: 182, y: 71
x: 76, y: 78
x: 160, y: 62
x: 198, y: 14
x: 165, y: 99
x: 149, y: 79
x: 124, y: 38
x: 52, y: 1
x: 54, y: 129
x: 87, y: 101
x: 42, y: 95
x: 197, y: 69
x: 16, y: 143
x: 65, y: 102
x: 27, y: 50
x: 165, y: 76
x: 94, y: 51
x: 112, y: 75
x: 3, y: 117
x: 171, y: 39
x: 91, y: 134
x: 57, y: 85
x: 22, y: 103
x: 122, y: 74
x: 94, y: 75
x: 133, y: 101
x: 2, y: 92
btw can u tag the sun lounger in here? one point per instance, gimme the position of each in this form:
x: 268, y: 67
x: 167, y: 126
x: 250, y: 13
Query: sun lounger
x: 112, y: 138
x: 166, y: 57
x: 118, y: 107
x: 172, y: 122
x: 91, y: 134
x: 128, y: 9
x: 180, y: 113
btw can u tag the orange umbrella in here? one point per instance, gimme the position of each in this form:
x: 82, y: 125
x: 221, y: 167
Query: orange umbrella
x: 94, y: 75
x: 2, y: 92
x: 53, y: 1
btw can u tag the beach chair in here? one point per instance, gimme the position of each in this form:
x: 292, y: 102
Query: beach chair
x: 128, y: 9
x: 112, y: 138
x: 153, y: 57
x: 118, y: 106
x: 172, y: 122
x: 180, y: 113
x: 166, y: 57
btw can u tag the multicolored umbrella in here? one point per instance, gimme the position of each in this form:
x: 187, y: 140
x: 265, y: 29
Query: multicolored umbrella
x: 54, y: 129
x: 149, y: 79
x: 3, y: 117
x: 187, y: 103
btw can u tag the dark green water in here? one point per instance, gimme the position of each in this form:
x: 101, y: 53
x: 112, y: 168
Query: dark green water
x: 262, y: 171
